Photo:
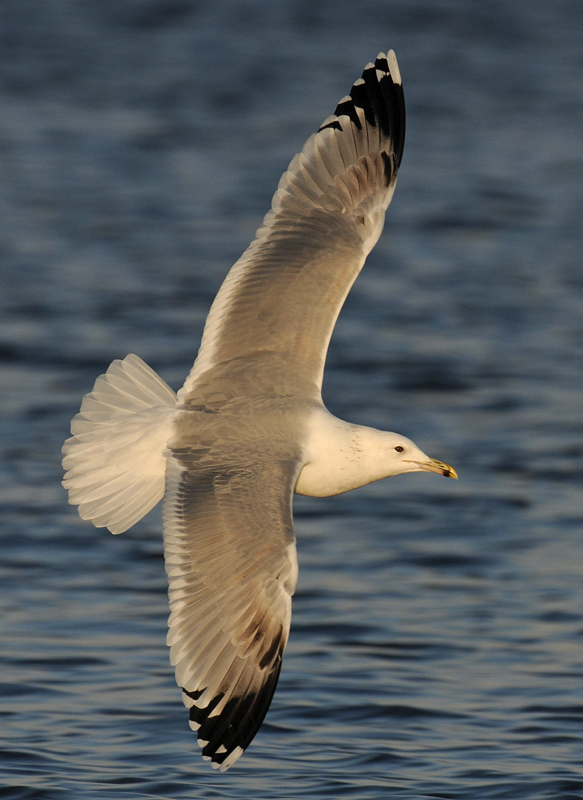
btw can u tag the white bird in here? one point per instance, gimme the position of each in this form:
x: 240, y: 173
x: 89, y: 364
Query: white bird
x: 248, y: 428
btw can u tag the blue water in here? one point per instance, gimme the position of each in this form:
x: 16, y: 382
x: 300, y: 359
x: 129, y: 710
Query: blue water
x: 437, y: 641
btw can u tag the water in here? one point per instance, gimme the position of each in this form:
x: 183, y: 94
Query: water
x: 437, y: 642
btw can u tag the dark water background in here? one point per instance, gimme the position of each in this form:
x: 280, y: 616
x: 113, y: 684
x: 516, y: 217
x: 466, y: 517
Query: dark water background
x: 437, y: 642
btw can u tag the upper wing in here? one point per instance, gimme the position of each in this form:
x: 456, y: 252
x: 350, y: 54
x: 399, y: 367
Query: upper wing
x: 285, y: 292
x: 232, y: 568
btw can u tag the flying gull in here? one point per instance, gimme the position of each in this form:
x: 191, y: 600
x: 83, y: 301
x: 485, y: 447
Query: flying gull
x: 248, y: 428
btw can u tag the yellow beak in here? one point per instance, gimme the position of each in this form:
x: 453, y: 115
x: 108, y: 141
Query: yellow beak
x: 437, y: 466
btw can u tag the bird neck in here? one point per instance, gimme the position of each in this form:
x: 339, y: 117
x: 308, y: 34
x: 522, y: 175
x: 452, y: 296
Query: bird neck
x: 340, y: 456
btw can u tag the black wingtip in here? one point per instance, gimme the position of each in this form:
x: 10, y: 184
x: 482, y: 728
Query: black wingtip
x: 346, y: 107
x: 361, y: 99
x: 378, y: 94
x: 334, y: 123
x: 225, y: 736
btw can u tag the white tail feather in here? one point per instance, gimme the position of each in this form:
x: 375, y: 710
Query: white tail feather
x: 115, y: 460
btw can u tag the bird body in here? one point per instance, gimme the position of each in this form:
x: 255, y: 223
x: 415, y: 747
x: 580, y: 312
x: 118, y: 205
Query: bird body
x: 248, y: 428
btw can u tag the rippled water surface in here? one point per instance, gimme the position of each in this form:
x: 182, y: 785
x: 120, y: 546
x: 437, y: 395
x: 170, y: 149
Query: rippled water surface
x: 437, y: 641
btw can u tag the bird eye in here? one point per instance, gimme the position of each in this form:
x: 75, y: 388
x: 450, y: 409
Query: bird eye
x: 399, y: 448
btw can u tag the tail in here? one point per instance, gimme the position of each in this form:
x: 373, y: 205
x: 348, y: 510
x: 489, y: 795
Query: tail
x: 115, y: 462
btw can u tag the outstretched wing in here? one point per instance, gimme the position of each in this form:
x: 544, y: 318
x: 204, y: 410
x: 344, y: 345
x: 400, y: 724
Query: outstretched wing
x: 231, y: 562
x: 285, y: 292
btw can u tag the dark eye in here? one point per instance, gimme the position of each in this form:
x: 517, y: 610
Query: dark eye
x: 399, y: 448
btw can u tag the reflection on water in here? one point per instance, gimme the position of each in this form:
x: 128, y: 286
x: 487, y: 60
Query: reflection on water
x: 436, y: 648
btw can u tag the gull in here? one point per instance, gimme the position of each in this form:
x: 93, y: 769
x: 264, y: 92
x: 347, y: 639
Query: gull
x: 249, y: 428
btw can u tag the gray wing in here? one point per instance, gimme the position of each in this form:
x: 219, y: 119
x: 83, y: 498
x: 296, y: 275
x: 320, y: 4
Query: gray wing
x: 231, y: 562
x: 285, y: 292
